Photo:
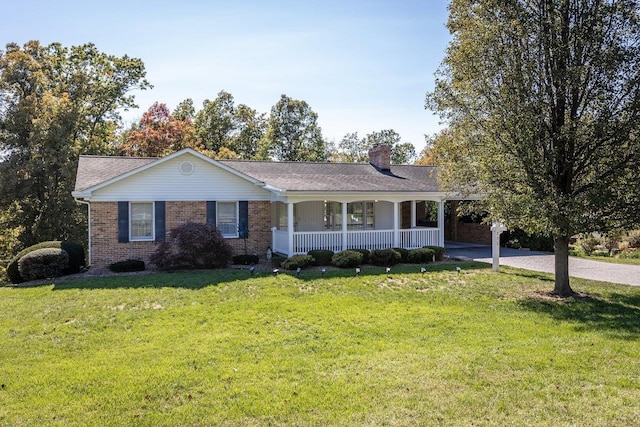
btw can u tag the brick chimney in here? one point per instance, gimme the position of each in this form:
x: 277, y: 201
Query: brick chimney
x: 380, y: 157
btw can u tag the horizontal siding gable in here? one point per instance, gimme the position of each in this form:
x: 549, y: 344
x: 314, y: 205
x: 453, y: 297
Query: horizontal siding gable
x: 166, y: 181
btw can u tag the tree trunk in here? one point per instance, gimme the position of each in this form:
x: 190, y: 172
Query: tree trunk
x: 562, y: 287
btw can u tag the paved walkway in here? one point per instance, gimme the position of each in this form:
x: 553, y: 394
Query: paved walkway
x: 544, y: 262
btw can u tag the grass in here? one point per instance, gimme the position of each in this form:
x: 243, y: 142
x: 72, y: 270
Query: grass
x: 223, y: 348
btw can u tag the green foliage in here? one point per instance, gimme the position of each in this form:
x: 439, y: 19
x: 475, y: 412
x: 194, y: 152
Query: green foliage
x: 439, y: 251
x: 552, y: 148
x: 126, y: 266
x: 43, y: 263
x: 421, y: 256
x: 384, y: 257
x: 634, y: 254
x: 633, y: 238
x: 192, y: 245
x: 587, y: 243
x: 348, y: 259
x: 246, y: 259
x: 365, y: 254
x: 404, y: 253
x: 533, y: 241
x: 75, y: 264
x: 276, y: 260
x: 57, y: 103
x: 321, y: 256
x: 297, y: 261
x: 293, y: 133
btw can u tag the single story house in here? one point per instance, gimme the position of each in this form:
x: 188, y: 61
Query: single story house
x: 288, y: 207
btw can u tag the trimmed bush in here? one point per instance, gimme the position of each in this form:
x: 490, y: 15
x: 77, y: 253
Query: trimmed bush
x: 384, y: 257
x: 421, y: 256
x: 321, y: 256
x: 437, y: 250
x: 404, y: 253
x: 75, y: 252
x: 246, y: 259
x: 365, y: 254
x: 297, y: 261
x: 43, y: 263
x: 347, y: 259
x: 193, y: 245
x: 127, y: 266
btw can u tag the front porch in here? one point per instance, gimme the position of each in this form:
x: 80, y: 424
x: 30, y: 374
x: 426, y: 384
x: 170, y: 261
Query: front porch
x: 375, y: 224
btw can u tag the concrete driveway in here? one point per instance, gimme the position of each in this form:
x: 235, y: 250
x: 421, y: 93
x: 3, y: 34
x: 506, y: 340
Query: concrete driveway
x: 544, y: 262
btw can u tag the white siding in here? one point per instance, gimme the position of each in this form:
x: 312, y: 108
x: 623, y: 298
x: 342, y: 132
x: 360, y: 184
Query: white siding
x: 383, y: 212
x: 164, y: 181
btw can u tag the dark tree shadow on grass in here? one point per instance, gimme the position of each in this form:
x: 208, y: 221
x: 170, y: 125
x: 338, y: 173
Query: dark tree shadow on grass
x: 198, y: 279
x: 615, y: 313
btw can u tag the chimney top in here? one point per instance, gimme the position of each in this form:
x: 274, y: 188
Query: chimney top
x: 380, y: 157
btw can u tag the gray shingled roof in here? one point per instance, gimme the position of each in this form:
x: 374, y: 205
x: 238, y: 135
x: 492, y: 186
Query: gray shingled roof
x: 287, y: 176
x: 340, y: 177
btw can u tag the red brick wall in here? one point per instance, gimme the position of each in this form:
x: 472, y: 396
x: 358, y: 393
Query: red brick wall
x: 105, y: 248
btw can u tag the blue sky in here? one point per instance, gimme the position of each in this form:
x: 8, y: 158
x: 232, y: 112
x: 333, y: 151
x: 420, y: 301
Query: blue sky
x: 361, y: 65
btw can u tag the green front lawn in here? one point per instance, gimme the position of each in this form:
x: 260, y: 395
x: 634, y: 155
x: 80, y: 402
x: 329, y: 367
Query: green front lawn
x: 222, y: 348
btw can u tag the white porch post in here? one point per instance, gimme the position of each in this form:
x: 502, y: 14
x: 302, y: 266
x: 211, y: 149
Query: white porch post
x: 344, y: 226
x: 290, y: 227
x: 413, y: 214
x: 441, y: 223
x: 396, y: 224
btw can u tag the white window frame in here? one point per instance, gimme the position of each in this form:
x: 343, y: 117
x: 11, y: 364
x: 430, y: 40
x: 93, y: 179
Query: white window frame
x: 237, y: 218
x: 133, y: 238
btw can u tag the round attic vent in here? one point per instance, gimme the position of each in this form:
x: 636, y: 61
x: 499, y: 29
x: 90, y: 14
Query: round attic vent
x: 186, y: 168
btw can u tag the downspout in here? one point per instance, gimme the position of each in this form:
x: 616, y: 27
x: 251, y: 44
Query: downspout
x: 84, y: 202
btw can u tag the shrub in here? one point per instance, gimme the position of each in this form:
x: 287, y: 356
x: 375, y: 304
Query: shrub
x: 126, y: 266
x: 246, y: 259
x: 365, y: 254
x: 384, y: 257
x: 43, y: 263
x: 297, y: 261
x: 75, y: 252
x: 587, y: 243
x: 193, y: 245
x: 634, y: 239
x: 629, y: 255
x: 421, y: 256
x: 404, y: 254
x: 438, y: 251
x: 348, y: 259
x: 321, y: 256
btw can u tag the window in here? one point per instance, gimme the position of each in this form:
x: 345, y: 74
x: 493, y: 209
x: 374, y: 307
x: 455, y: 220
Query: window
x: 227, y: 218
x: 360, y: 216
x: 141, y: 221
x: 332, y: 216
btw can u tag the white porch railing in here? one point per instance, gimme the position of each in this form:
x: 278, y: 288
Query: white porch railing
x: 419, y: 237
x: 304, y: 241
x: 370, y: 239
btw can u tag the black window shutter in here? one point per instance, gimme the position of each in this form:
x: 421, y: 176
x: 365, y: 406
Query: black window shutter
x: 160, y: 221
x: 211, y: 212
x: 123, y: 222
x: 243, y: 220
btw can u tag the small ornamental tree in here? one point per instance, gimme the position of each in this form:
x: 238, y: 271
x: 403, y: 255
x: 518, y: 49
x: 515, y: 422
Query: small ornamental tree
x: 193, y: 245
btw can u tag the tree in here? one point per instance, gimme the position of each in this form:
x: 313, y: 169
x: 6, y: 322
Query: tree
x: 293, y: 133
x: 159, y: 134
x: 55, y: 103
x: 215, y: 122
x: 542, y: 99
x: 249, y: 129
x: 354, y: 149
x: 185, y: 110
